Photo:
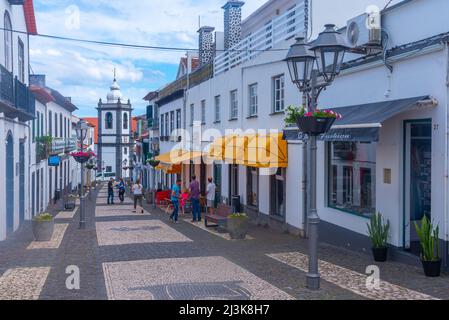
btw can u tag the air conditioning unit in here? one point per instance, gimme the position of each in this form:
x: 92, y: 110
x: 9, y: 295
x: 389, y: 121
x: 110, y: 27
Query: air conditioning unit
x: 364, y: 31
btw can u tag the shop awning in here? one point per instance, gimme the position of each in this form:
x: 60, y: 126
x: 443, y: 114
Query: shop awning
x: 179, y: 156
x: 254, y: 150
x: 170, y: 168
x: 361, y: 123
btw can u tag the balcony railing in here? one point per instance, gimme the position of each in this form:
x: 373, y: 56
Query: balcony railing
x: 48, y: 146
x: 70, y: 144
x: 15, y: 97
x: 21, y: 92
x: 6, y: 85
x: 58, y: 146
x: 282, y: 28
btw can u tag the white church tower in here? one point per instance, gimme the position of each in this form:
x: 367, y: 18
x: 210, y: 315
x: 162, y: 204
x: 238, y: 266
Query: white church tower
x: 115, y: 144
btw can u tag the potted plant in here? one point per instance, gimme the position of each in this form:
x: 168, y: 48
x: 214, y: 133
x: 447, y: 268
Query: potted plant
x: 237, y: 225
x: 311, y: 122
x: 153, y: 162
x: 430, y: 247
x: 43, y: 227
x: 378, y: 232
x: 70, y: 205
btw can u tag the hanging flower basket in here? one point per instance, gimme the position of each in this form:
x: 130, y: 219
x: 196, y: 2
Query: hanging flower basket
x: 82, y: 157
x: 313, y: 123
x: 314, y: 126
x: 154, y: 163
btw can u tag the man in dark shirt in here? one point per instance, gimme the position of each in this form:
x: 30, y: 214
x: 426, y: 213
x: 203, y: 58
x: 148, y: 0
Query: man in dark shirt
x: 195, y: 199
x: 111, y: 191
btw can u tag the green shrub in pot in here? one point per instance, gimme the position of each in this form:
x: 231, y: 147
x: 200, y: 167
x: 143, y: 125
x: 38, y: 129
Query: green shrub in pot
x: 378, y: 232
x: 430, y: 247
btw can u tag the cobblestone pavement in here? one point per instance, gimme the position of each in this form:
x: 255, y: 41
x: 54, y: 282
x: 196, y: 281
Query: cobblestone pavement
x: 126, y: 255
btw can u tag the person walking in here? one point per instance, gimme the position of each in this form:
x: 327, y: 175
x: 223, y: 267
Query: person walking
x: 111, y: 191
x: 175, y: 196
x: 195, y: 199
x: 210, y: 195
x: 121, y: 190
x: 137, y: 190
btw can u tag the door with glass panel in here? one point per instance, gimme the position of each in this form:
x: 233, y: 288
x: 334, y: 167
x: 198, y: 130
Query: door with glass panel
x: 417, y: 179
x: 217, y: 180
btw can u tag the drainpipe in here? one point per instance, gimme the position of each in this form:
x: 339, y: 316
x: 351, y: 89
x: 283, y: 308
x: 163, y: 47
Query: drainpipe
x: 446, y: 175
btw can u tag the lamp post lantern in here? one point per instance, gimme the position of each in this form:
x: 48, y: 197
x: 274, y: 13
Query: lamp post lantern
x: 327, y: 52
x: 81, y: 133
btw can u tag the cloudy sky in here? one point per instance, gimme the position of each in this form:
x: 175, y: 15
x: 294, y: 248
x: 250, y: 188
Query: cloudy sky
x: 85, y: 72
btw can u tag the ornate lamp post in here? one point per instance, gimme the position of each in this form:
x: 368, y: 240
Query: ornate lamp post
x: 327, y: 52
x: 81, y: 133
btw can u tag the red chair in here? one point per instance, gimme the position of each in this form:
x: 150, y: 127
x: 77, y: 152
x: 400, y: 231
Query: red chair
x: 162, y: 196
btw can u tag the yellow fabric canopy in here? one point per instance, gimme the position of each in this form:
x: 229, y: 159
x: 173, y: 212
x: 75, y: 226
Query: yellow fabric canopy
x: 179, y: 156
x: 254, y: 150
x: 171, y: 162
x: 170, y: 169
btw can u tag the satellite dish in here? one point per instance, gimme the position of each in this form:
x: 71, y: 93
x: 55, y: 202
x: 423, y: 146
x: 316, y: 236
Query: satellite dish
x: 353, y: 33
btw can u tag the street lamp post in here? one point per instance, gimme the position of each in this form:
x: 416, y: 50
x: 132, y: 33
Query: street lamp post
x: 327, y: 53
x: 81, y: 133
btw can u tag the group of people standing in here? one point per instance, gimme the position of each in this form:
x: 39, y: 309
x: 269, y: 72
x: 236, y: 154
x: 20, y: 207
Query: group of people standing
x: 136, y: 189
x: 179, y: 200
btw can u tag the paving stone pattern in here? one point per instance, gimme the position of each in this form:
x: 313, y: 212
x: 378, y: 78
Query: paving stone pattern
x: 127, y: 255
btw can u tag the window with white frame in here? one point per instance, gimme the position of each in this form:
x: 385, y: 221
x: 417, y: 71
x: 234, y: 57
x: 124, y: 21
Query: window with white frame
x: 162, y: 125
x: 234, y: 107
x: 167, y: 133
x: 217, y: 109
x: 278, y: 93
x: 253, y: 100
x: 203, y: 112
x: 172, y: 122
x: 178, y: 119
x: 192, y: 114
x: 21, y: 61
x: 8, y: 41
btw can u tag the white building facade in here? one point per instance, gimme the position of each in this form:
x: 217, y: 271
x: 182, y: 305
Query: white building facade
x: 401, y: 170
x: 52, y: 169
x: 17, y: 109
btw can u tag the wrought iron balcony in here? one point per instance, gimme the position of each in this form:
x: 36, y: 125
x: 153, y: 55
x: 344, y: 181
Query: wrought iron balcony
x: 21, y: 95
x: 6, y: 86
x: 58, y: 146
x: 16, y: 101
x: 70, y: 145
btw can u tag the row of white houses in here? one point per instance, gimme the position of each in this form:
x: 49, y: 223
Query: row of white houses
x: 396, y: 162
x: 35, y: 124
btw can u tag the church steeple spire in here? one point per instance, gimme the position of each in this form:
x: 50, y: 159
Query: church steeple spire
x: 114, y: 94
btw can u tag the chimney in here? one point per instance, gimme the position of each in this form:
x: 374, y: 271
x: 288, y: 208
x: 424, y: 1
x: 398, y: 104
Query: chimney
x: 38, y: 80
x: 206, y: 45
x: 232, y: 23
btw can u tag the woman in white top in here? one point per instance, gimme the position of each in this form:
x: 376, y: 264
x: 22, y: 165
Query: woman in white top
x: 210, y: 195
x: 138, y: 195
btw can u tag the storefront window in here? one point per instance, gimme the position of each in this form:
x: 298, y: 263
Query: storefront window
x: 352, y: 177
x: 253, y: 184
x: 277, y: 193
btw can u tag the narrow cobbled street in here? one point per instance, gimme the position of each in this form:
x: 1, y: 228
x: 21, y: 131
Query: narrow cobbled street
x: 126, y: 255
